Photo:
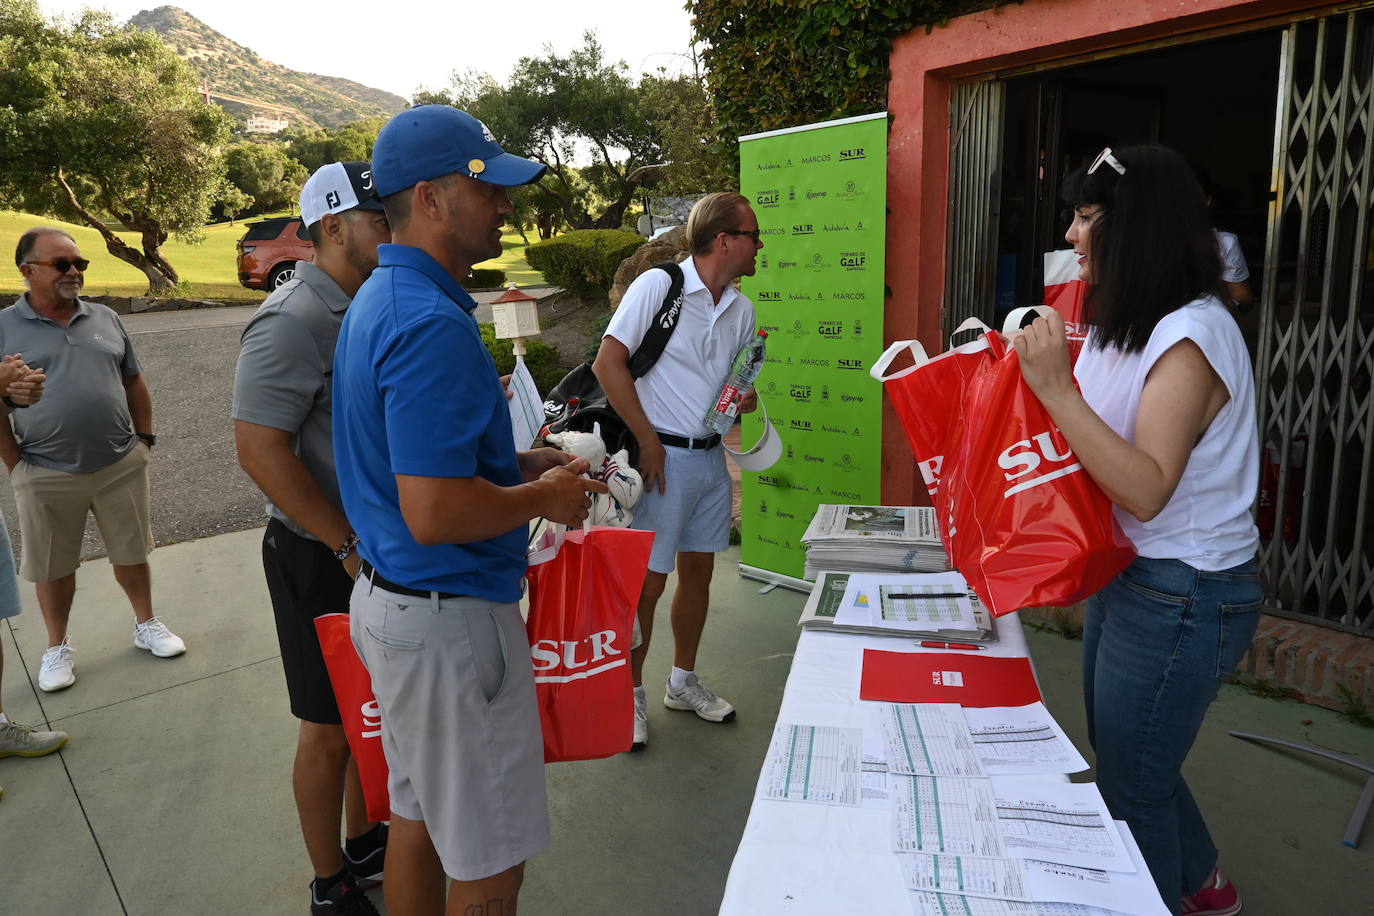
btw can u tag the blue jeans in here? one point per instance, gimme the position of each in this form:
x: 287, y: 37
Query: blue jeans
x: 1157, y: 643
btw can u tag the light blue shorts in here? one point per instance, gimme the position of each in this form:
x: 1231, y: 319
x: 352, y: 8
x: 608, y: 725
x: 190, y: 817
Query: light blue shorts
x: 9, y: 585
x: 693, y: 512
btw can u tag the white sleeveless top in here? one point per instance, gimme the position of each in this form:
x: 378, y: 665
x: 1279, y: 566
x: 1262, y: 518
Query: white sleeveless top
x: 1207, y: 523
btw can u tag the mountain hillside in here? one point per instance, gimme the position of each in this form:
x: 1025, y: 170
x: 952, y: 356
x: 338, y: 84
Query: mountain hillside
x: 233, y: 70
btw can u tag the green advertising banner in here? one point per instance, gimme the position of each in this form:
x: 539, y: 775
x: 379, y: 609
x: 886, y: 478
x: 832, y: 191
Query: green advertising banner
x: 820, y: 195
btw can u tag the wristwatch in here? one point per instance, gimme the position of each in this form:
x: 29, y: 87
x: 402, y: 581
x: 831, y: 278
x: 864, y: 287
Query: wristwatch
x: 346, y: 551
x: 148, y: 438
x: 12, y: 404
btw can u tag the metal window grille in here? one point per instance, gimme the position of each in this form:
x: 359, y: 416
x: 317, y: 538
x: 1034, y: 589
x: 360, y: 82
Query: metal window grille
x: 1315, y: 358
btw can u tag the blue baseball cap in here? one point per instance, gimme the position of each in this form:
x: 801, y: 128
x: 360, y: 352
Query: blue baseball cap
x: 430, y: 141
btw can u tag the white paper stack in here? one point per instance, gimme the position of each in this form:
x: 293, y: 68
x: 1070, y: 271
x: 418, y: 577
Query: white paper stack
x: 873, y: 539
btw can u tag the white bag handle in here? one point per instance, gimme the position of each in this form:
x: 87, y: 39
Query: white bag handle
x: 1012, y: 324
x: 918, y: 357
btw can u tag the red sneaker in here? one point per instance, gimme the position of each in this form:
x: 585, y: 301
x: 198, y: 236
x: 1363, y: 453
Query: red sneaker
x: 1218, y: 897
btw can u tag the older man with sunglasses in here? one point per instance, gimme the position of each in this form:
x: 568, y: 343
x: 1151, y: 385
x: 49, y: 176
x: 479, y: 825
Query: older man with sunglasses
x: 85, y: 447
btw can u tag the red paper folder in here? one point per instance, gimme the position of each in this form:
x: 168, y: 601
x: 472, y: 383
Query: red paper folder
x: 939, y: 677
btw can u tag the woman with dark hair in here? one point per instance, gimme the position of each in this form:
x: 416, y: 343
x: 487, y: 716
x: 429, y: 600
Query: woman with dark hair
x: 1166, y: 425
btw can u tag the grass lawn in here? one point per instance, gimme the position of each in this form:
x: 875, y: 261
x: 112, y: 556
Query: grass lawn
x: 512, y: 261
x: 209, y: 266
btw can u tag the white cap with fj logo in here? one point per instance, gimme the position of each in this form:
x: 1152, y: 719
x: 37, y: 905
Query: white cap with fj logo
x: 337, y: 188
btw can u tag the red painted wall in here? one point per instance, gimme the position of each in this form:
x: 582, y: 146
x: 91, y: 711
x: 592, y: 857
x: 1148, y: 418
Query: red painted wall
x: 924, y: 69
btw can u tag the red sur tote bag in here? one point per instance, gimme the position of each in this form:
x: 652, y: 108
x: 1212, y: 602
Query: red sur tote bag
x: 362, y: 718
x: 1025, y: 523
x: 1020, y: 518
x: 584, y: 590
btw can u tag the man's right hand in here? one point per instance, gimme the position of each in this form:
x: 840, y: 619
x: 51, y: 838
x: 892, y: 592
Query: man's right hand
x: 566, y: 499
x: 28, y: 389
x: 652, y: 456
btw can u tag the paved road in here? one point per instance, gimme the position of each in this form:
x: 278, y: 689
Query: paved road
x: 198, y: 489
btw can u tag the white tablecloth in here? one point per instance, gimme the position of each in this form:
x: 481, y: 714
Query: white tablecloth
x: 799, y: 858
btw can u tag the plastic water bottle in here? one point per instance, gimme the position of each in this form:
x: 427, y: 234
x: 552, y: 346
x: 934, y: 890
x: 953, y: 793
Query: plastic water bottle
x: 746, y: 367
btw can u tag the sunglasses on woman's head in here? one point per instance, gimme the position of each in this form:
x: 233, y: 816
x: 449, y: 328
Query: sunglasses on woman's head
x: 62, y: 265
x: 1107, y: 157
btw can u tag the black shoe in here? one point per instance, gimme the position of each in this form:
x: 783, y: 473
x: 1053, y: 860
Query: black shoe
x: 367, y: 871
x: 343, y: 899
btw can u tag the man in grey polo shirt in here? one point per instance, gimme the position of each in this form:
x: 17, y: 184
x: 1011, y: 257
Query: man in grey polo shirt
x: 85, y: 447
x: 283, y: 426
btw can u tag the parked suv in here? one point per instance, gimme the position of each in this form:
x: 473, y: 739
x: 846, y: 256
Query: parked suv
x: 269, y: 250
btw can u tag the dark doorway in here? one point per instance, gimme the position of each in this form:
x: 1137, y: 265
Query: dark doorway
x: 1213, y: 101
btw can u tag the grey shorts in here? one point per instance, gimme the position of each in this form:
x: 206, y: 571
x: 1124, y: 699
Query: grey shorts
x: 693, y: 513
x: 460, y: 727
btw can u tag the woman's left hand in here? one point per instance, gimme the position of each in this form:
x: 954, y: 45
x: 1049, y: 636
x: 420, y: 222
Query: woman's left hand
x: 1043, y: 349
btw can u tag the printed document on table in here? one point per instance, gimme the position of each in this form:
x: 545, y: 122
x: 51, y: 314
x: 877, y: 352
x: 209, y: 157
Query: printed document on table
x: 902, y: 601
x: 526, y: 407
x: 1057, y: 822
x: 1044, y: 882
x: 815, y: 764
x: 1012, y: 740
x: 874, y: 763
x: 925, y: 903
x: 949, y: 815
x: 929, y: 739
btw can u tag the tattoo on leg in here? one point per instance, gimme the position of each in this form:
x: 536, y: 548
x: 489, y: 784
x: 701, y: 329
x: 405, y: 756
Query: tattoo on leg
x: 494, y: 907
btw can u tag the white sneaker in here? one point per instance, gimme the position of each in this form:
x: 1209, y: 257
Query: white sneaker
x: 697, y: 697
x: 641, y: 721
x: 56, y: 672
x: 154, y: 636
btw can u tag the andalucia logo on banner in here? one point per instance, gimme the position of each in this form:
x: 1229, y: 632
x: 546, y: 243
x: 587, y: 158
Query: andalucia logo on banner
x: 820, y: 195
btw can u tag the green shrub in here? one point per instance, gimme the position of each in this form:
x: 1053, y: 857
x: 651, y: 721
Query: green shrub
x: 542, y: 359
x: 486, y: 278
x: 598, y: 330
x: 583, y: 261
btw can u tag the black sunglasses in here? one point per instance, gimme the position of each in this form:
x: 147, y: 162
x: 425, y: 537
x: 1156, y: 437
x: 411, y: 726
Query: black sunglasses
x: 62, y: 265
x: 754, y: 234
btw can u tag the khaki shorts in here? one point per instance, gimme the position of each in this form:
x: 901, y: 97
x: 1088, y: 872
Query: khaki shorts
x: 460, y: 725
x: 53, y: 507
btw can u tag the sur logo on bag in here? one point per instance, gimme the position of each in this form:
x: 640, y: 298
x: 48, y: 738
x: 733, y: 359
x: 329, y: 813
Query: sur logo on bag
x: 1027, y: 455
x: 372, y: 719
x: 554, y: 655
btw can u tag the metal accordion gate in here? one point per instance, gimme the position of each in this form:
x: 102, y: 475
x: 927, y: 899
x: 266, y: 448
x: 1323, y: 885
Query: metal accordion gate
x: 1315, y: 350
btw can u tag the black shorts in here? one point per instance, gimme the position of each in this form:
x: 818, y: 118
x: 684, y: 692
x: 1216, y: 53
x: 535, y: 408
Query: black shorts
x: 305, y: 581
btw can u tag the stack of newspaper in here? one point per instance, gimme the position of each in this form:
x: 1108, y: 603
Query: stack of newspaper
x: 831, y: 606
x: 873, y: 539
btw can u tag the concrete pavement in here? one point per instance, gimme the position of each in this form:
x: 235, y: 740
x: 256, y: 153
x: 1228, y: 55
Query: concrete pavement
x: 174, y: 797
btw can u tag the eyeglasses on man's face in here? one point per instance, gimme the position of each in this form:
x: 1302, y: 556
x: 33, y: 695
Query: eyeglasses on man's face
x: 62, y: 265
x: 1107, y: 157
x: 754, y: 234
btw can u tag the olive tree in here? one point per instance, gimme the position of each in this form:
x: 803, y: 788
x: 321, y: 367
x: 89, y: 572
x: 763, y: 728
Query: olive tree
x: 103, y: 124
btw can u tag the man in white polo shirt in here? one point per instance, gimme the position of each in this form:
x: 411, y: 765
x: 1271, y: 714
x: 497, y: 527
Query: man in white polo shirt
x: 687, y: 490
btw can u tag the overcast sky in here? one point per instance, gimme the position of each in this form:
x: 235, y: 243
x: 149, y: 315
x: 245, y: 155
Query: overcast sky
x: 400, y: 45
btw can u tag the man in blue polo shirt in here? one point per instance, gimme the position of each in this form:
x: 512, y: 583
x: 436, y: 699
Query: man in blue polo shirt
x: 440, y: 502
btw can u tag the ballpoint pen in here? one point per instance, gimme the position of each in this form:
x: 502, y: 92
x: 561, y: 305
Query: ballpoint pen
x: 930, y: 644
x: 926, y: 595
